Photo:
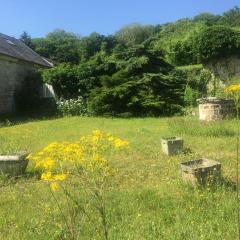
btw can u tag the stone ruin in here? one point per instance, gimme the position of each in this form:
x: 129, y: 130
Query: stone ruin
x: 212, y: 108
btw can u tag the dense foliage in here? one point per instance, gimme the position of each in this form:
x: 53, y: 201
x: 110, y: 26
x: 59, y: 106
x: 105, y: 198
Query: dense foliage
x: 137, y: 81
x: 135, y: 34
x: 133, y: 72
x: 216, y: 42
x: 59, y: 46
x: 183, y: 52
x: 197, y: 84
x: 26, y: 39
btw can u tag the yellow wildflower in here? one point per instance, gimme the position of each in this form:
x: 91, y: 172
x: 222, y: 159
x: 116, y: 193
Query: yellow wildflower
x: 97, y: 133
x: 110, y: 138
x: 54, y: 186
x: 48, y: 163
x: 118, y: 143
x: 87, y: 154
x: 29, y: 157
x: 60, y: 177
x: 233, y: 88
x: 46, y: 176
x: 97, y: 158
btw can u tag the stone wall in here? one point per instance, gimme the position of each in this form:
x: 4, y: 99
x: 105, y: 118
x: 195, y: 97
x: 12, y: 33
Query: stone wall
x: 12, y: 74
x: 225, y: 68
x: 211, y: 109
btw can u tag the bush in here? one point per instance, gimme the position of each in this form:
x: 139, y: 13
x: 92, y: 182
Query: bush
x: 70, y: 81
x: 190, y: 96
x: 198, y: 80
x: 152, y: 95
x: 217, y: 41
x: 182, y: 53
x: 64, y: 79
x: 72, y: 107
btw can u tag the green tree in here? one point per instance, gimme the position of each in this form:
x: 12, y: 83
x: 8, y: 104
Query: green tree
x: 142, y: 85
x: 43, y: 47
x: 207, y: 18
x: 175, y: 39
x: 231, y: 18
x: 70, y: 80
x: 183, y: 53
x: 26, y: 39
x: 135, y: 34
x: 94, y: 43
x: 59, y: 46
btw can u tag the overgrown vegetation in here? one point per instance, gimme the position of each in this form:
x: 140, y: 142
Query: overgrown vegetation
x: 216, y: 42
x: 127, y: 73
x: 86, y: 161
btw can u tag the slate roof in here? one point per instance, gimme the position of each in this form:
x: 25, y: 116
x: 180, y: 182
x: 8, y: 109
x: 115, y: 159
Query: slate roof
x: 17, y: 49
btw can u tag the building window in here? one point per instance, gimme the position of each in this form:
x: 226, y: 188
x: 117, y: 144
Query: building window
x: 47, y: 91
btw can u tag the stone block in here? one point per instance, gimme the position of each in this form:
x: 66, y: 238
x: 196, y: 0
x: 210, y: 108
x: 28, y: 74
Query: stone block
x: 172, y: 146
x: 13, y: 165
x: 201, y: 171
x: 211, y: 109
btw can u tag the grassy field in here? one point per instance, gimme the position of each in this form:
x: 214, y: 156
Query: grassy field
x: 149, y: 200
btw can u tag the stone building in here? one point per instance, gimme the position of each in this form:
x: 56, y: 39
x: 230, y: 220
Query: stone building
x: 17, y: 62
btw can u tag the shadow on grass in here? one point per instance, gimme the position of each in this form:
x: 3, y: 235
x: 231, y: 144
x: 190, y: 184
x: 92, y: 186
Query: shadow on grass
x: 187, y: 150
x: 220, y: 183
x: 211, y: 183
x: 6, y: 180
x: 228, y: 184
x: 36, y: 175
x: 6, y: 121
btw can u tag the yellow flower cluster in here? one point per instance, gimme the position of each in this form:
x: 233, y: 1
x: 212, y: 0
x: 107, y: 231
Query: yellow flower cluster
x: 58, y: 159
x: 48, y: 176
x: 233, y: 88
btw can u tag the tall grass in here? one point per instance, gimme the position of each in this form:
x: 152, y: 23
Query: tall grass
x: 194, y: 127
x: 149, y: 200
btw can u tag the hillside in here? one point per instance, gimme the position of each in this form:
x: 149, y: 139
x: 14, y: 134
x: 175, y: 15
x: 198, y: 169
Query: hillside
x: 127, y: 73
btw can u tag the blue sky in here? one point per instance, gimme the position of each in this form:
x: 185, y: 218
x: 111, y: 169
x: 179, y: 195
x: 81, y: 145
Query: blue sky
x: 38, y: 17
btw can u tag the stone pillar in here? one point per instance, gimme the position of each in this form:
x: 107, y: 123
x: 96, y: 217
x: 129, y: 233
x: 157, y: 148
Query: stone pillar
x: 212, y: 108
